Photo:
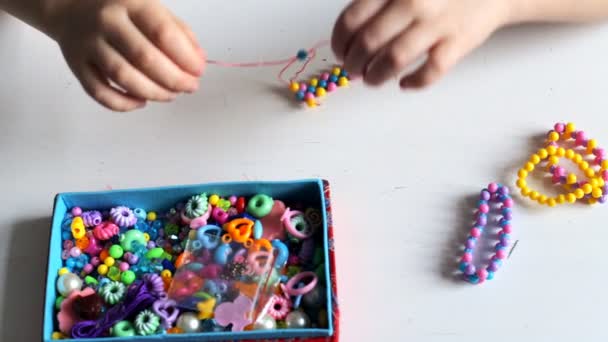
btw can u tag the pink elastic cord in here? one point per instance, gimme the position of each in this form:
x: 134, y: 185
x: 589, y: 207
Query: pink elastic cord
x: 291, y: 287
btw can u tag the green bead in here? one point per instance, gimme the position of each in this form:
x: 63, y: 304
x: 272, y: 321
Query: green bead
x: 224, y: 204
x: 114, y: 273
x: 130, y: 236
x: 147, y: 323
x: 320, y: 272
x: 171, y: 229
x: 58, y: 302
x: 167, y: 256
x: 155, y: 253
x: 318, y: 256
x: 260, y: 205
x: 113, y: 292
x: 116, y: 252
x: 123, y: 329
x: 127, y: 277
x: 90, y: 280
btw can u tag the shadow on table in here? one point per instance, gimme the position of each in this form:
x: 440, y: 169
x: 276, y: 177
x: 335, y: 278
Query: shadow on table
x: 25, y: 281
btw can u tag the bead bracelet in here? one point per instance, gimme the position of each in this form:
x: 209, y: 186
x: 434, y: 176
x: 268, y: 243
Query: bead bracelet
x: 567, y: 132
x: 552, y: 155
x: 319, y: 87
x: 495, y: 193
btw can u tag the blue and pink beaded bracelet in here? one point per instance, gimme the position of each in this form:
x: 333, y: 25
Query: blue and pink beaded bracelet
x: 496, y: 196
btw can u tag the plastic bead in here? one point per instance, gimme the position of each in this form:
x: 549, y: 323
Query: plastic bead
x: 151, y: 216
x: 343, y: 81
x: 123, y: 329
x: 260, y: 205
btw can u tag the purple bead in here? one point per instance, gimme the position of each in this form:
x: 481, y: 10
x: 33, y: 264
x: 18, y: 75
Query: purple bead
x: 605, y: 189
x: 485, y: 195
x: 493, y: 267
x: 503, y: 190
x: 552, y: 168
x: 504, y: 240
x: 603, y: 199
x: 470, y: 270
x: 508, y: 216
x: 482, y: 220
x: 470, y: 243
x: 91, y: 218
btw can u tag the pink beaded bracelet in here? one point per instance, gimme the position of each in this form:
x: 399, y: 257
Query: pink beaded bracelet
x: 497, y: 196
x: 292, y: 289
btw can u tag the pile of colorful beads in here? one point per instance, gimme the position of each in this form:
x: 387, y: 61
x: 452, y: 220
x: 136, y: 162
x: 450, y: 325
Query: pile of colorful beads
x: 318, y: 87
x: 592, y: 164
x: 209, y: 264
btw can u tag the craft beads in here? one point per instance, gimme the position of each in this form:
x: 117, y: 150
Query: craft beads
x: 195, y: 267
x: 319, y: 87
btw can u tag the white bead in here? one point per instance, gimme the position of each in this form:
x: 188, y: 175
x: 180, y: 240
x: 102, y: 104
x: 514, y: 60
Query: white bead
x: 68, y: 283
x: 189, y: 322
x: 297, y: 319
x: 266, y: 322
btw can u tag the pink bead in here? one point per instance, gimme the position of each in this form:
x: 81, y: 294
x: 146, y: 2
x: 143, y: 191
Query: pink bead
x: 123, y: 266
x: 605, y: 175
x: 325, y: 76
x: 507, y: 203
x: 484, y: 208
x: 95, y: 261
x: 88, y: 268
x: 501, y: 254
x: 598, y: 160
x: 580, y: 138
x: 309, y: 96
x: 560, y: 171
x: 76, y: 211
x: 331, y: 86
x: 553, y: 143
x: 467, y: 257
x: 556, y: 179
x: 68, y: 244
x: 232, y: 200
x: 492, y: 187
x: 482, y: 274
x: 75, y: 252
x: 599, y: 152
x: 475, y: 232
x: 507, y: 229
x: 303, y: 87
x: 559, y: 127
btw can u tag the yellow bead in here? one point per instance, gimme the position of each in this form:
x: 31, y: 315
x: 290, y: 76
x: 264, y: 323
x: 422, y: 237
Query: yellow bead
x: 571, y: 179
x: 343, y: 81
x: 542, y: 199
x: 553, y: 136
x: 542, y: 153
x: 577, y: 158
x: 534, y: 195
x: 587, y: 188
x: 151, y: 216
x: 294, y: 86
x: 579, y: 193
x: 529, y: 167
x: 321, y: 92
x: 591, y: 144
x: 147, y: 237
x: 551, y: 150
x: 336, y: 71
x: 594, y: 182
x: 570, y: 127
x: 561, y: 199
x: 596, y: 193
x: 551, y: 202
x: 553, y: 160
x: 314, y: 82
x: 522, y: 173
x: 569, y: 153
x: 165, y: 274
x: 592, y: 201
x: 63, y: 271
x: 109, y: 261
x: 571, y: 198
x: 102, y: 269
x: 311, y: 103
x: 213, y: 199
x: 600, y: 181
x: 58, y: 336
x: 560, y: 152
x: 521, y: 183
x: 590, y: 173
x: 535, y: 159
x: 605, y: 164
x: 583, y: 165
x: 525, y: 191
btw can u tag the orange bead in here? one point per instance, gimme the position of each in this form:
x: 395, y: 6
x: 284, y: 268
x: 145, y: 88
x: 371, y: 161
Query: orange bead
x: 82, y: 243
x: 179, y: 261
x: 104, y: 255
x: 175, y: 330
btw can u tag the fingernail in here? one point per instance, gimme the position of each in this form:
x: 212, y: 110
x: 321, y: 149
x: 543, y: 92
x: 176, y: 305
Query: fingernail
x: 171, y: 97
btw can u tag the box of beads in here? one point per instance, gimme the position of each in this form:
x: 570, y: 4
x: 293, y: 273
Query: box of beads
x: 212, y: 262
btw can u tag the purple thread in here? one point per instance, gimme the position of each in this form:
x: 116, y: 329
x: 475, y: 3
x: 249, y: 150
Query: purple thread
x: 137, y: 299
x: 123, y: 216
x: 91, y: 218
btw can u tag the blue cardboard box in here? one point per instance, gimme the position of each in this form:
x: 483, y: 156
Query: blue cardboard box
x: 310, y: 191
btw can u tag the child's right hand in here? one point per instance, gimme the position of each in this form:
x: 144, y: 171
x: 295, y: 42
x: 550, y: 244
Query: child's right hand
x: 126, y: 52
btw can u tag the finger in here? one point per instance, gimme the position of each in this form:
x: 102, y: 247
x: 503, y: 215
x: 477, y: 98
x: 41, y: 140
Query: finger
x: 143, y: 55
x: 101, y: 91
x: 192, y: 36
x: 167, y: 35
x: 350, y: 21
x: 379, y: 31
x: 441, y: 58
x: 134, y: 82
x: 400, y: 53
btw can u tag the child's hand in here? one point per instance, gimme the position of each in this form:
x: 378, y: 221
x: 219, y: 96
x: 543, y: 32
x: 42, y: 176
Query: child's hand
x: 378, y: 39
x: 125, y: 52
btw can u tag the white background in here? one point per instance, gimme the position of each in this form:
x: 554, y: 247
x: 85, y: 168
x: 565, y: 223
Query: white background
x: 405, y: 168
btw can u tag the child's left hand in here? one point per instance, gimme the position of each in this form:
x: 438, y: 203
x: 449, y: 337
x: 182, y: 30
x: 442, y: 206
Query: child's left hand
x: 379, y: 39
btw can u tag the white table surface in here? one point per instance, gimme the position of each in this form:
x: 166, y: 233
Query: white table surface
x: 405, y: 168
